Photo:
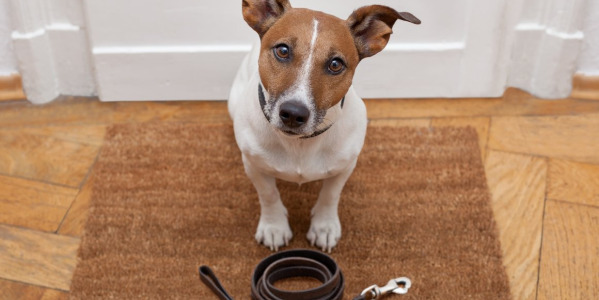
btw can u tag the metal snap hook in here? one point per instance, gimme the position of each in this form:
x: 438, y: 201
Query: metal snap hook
x: 398, y: 286
x: 403, y: 285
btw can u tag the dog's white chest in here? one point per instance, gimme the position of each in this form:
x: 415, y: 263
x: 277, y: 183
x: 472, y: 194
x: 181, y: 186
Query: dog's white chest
x: 299, y: 172
x: 297, y: 164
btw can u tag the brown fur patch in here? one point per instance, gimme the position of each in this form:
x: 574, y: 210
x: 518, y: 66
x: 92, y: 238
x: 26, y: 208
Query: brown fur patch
x: 261, y: 15
x: 334, y: 40
x: 372, y: 26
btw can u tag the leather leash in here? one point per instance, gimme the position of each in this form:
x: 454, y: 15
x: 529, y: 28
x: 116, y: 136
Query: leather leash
x: 301, y: 263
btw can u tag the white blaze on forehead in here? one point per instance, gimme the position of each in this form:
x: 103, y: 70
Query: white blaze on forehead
x: 308, y: 62
x: 301, y: 90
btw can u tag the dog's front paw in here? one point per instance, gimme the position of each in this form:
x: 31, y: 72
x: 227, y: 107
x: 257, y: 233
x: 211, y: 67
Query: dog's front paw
x: 274, y: 232
x: 325, y: 231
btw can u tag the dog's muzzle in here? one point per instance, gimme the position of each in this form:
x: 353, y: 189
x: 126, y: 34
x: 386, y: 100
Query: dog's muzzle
x: 293, y: 114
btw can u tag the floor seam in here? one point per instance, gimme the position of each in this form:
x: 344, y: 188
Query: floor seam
x: 542, y: 229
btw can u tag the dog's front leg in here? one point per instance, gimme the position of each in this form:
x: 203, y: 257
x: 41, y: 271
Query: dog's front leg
x: 273, y: 228
x: 325, y: 228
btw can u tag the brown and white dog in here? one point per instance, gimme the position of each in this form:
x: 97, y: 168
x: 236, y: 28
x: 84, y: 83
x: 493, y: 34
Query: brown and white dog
x: 296, y: 115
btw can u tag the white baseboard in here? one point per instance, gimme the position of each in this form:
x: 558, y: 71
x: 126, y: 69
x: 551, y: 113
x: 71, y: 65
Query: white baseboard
x: 72, y: 62
x: 206, y: 72
x: 37, y: 67
x: 54, y: 61
x: 51, y: 46
x: 542, y: 61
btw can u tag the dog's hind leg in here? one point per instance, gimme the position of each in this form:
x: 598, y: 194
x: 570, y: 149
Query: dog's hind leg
x: 325, y: 228
x: 273, y: 228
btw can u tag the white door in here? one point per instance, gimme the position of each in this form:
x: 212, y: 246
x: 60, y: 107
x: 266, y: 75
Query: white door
x: 190, y: 49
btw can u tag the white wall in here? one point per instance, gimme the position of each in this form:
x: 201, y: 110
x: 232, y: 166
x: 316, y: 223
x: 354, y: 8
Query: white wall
x: 8, y: 62
x: 588, y: 63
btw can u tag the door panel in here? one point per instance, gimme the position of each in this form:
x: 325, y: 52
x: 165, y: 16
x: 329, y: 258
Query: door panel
x: 190, y: 49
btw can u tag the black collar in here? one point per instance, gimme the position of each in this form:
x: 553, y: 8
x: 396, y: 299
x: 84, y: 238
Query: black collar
x: 262, y: 100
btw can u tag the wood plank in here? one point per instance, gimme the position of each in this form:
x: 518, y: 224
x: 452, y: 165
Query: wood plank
x: 11, y: 87
x: 76, y: 217
x: 208, y: 112
x: 514, y: 102
x: 43, y: 158
x: 37, y: 258
x: 401, y: 122
x: 33, y: 204
x: 517, y: 185
x: 585, y: 87
x: 50, y: 294
x: 573, y: 182
x: 65, y: 110
x: 481, y: 124
x: 570, y: 256
x: 565, y: 137
x: 15, y: 290
x: 82, y: 110
x: 89, y: 134
x: 68, y: 110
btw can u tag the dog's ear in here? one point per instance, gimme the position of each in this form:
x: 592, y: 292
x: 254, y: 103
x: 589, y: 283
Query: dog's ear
x: 372, y: 26
x: 261, y: 14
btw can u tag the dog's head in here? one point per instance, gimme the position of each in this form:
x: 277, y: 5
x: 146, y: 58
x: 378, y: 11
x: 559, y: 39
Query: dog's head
x: 308, y: 58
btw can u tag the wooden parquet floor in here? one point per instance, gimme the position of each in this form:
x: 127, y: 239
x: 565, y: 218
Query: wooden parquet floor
x: 541, y: 159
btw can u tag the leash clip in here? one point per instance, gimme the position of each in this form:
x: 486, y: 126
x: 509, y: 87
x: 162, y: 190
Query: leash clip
x: 396, y: 286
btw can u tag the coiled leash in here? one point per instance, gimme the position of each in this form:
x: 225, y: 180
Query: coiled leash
x: 301, y: 263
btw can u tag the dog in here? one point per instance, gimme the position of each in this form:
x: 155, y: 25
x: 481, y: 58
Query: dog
x: 295, y: 114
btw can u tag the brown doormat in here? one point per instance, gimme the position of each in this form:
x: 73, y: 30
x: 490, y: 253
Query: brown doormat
x: 171, y: 197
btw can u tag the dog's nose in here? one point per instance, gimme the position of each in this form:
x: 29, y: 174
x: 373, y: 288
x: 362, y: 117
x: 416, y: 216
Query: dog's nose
x: 294, y: 114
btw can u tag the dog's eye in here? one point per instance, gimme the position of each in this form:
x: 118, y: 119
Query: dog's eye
x: 336, y: 66
x: 282, y: 52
